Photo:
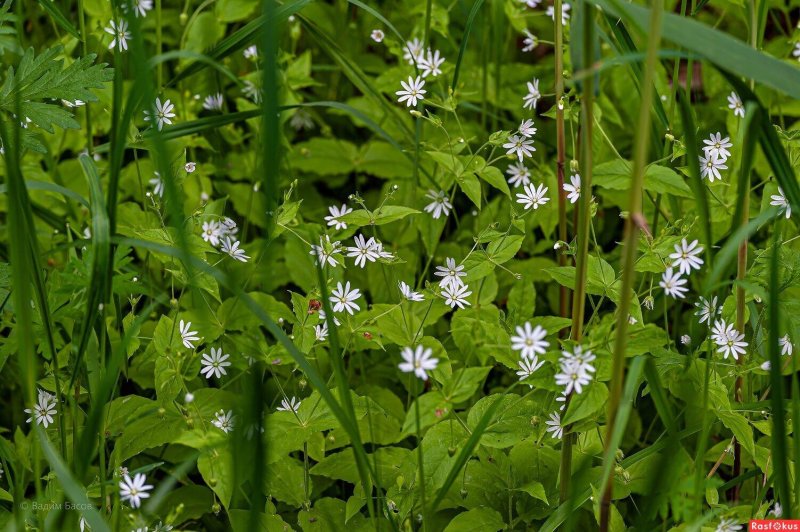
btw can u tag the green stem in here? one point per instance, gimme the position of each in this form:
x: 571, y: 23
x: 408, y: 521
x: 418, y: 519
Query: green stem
x: 563, y: 295
x: 633, y: 222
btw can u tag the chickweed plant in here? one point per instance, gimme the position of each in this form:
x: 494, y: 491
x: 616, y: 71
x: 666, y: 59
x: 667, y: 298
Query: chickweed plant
x: 437, y: 266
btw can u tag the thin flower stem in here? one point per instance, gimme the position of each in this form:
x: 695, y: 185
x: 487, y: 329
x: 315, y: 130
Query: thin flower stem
x: 633, y: 223
x: 563, y: 296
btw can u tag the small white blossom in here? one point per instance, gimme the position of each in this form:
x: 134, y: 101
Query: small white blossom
x: 321, y: 332
x: 686, y: 256
x: 686, y: 339
x: 158, y: 184
x: 526, y: 128
x: 343, y: 298
x: 707, y: 310
x: 530, y: 100
x: 554, y: 426
x: 289, y: 405
x: 766, y: 366
x: 430, y: 63
x: 673, y: 284
x: 231, y: 247
x: 364, y: 250
x: 418, y: 361
x: 451, y: 273
x: 377, y: 35
x: 44, y: 409
x: 530, y: 341
x: 528, y: 367
x: 251, y: 52
x: 190, y: 167
x: 187, y: 335
x: 730, y: 342
x: 786, y: 345
x: 574, y: 189
x: 134, y: 490
x: 162, y: 113
x: 728, y: 525
x: 408, y: 293
x: 551, y: 12
x: 326, y: 250
x: 716, y: 146
x: 440, y: 204
x: 213, y: 102
x: 252, y: 91
x: 529, y: 42
x: 301, y: 120
x: 335, y: 214
x: 121, y: 34
x: 212, y: 232
x: 518, y: 175
x: 456, y: 296
x: 412, y: 51
x: 735, y: 104
x: 710, y: 168
x: 412, y: 91
x: 224, y: 421
x: 519, y: 146
x: 779, y: 200
x: 215, y: 364
x: 533, y: 197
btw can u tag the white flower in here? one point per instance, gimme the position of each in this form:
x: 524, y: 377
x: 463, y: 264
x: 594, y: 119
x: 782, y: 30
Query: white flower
x: 776, y: 511
x: 579, y: 357
x: 134, y: 490
x: 528, y: 367
x: 430, y: 63
x: 231, y: 247
x: 228, y: 227
x: 551, y: 12
x: 120, y: 32
x: 76, y: 103
x: 526, y: 128
x: 518, y: 174
x: 251, y: 52
x: 335, y: 214
x: 412, y: 91
x: 158, y: 184
x: 224, y: 421
x: 252, y: 91
x: 363, y: 251
x: 735, y: 103
x: 574, y: 189
x: 212, y: 232
x: 673, y: 284
x: 786, y: 345
x: 408, y: 293
x: 519, y: 146
x: 766, y: 366
x: 530, y: 100
x: 213, y: 102
x: 190, y: 167
x: 686, y: 256
x: 323, y: 318
x: 530, y: 41
x: 301, y: 120
x: 707, y: 310
x: 440, y: 204
x: 289, y: 405
x: 779, y: 200
x: 456, y: 296
x: 140, y: 7
x: 82, y: 524
x: 531, y: 3
x: 187, y: 336
x: 796, y: 51
x: 573, y: 377
x: 321, y: 332
x: 377, y: 35
x: 343, y: 298
x: 162, y: 113
x: 728, y: 525
x: 418, y: 361
x: 554, y: 426
x: 529, y: 340
x: 451, y: 273
x: 215, y: 364
x: 729, y: 340
x: 325, y: 251
x: 412, y: 51
x: 686, y: 339
x: 716, y: 146
x: 710, y: 167
x: 44, y: 410
x: 533, y: 197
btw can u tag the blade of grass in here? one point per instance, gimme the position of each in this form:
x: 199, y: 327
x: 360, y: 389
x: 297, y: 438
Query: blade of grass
x: 59, y: 17
x: 464, y: 40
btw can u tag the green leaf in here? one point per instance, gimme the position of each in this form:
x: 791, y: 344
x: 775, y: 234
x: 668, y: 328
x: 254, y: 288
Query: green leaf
x: 616, y: 175
x: 494, y: 177
x: 740, y: 427
x: 535, y: 489
x: 480, y: 519
x: 586, y: 404
x: 463, y: 383
x: 470, y: 186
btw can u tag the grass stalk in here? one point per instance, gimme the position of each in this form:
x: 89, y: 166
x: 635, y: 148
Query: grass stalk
x: 631, y: 237
x: 563, y: 295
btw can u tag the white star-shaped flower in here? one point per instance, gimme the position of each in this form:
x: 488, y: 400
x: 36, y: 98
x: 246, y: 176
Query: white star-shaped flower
x: 530, y: 341
x: 533, y: 198
x: 686, y: 256
x: 215, y: 364
x: 440, y: 204
x: 188, y: 337
x: 412, y: 91
x: 418, y: 361
x: 335, y: 214
x: 134, y: 490
x: 574, y: 189
x: 343, y: 298
x: 673, y: 284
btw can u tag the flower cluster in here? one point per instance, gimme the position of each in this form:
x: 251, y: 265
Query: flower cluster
x: 685, y: 258
x: 222, y: 233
